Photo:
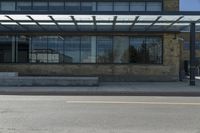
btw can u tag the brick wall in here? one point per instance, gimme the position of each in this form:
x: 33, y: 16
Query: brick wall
x: 168, y: 71
x: 171, y: 5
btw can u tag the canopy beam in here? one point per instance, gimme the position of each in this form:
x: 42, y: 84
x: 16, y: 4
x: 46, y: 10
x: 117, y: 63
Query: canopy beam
x: 192, y: 54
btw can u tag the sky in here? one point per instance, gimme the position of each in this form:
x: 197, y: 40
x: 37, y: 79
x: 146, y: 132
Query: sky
x: 190, y: 5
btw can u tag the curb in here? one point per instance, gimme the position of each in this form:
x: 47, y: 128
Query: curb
x: 101, y: 93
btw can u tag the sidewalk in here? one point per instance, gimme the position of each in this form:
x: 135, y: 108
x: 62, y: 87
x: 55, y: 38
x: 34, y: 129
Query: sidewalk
x: 114, y: 88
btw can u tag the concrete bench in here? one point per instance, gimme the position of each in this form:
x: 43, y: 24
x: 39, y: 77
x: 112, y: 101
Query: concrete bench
x: 8, y: 74
x: 49, y: 81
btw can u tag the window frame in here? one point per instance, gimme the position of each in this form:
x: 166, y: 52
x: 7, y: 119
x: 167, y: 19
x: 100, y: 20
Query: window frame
x: 96, y: 61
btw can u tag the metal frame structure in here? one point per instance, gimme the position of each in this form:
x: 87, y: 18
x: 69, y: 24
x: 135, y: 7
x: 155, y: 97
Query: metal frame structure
x: 184, y: 20
x: 149, y: 21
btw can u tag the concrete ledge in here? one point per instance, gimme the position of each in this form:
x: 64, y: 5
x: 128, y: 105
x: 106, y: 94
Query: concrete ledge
x: 49, y: 81
x: 8, y: 74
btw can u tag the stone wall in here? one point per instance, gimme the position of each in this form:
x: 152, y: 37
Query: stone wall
x: 171, y: 5
x: 168, y: 71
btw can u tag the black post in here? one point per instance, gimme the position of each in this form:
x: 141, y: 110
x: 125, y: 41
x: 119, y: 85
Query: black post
x: 192, y: 54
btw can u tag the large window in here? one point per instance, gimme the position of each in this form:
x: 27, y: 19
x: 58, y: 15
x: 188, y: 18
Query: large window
x: 121, y: 6
x: 104, y: 49
x: 40, y: 6
x: 88, y: 49
x: 72, y: 49
x: 6, y: 49
x: 187, y: 45
x: 61, y: 5
x: 104, y: 6
x: 88, y: 6
x: 146, y: 50
x: 8, y: 6
x: 72, y: 6
x: 39, y: 49
x: 23, y: 45
x: 81, y: 49
x: 137, y: 6
x: 55, y: 49
x: 121, y: 49
x: 24, y: 6
x: 154, y: 6
x: 153, y: 50
x: 137, y: 49
x: 57, y: 6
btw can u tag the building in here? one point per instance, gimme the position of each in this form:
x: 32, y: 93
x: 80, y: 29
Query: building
x: 120, y: 40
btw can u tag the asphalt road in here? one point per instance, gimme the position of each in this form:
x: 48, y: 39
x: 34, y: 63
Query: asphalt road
x: 75, y: 114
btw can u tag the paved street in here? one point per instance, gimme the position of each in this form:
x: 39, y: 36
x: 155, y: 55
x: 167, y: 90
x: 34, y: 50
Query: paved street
x: 99, y: 114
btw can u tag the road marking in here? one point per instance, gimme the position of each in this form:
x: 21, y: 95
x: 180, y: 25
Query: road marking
x: 119, y: 102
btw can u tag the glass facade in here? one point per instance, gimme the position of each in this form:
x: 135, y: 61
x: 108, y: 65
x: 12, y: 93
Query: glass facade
x: 72, y: 46
x: 121, y: 49
x: 22, y: 52
x: 187, y: 45
x: 24, y: 6
x: 137, y: 49
x: 40, y: 6
x: 81, y: 49
x: 137, y: 6
x: 61, y: 5
x: 39, y: 51
x: 104, y: 49
x: 8, y: 6
x: 6, y: 49
x: 146, y: 50
x: 154, y: 6
x: 56, y: 6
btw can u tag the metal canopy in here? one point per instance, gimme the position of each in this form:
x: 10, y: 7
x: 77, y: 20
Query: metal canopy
x: 107, y: 21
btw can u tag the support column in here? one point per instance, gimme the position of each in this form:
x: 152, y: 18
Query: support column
x: 13, y: 49
x: 192, y: 54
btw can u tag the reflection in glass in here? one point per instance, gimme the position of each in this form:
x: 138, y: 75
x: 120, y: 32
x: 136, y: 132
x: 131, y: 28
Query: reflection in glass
x: 6, y: 49
x: 154, y: 50
x: 121, y: 49
x: 8, y: 6
x: 72, y: 6
x: 24, y: 6
x: 121, y: 6
x: 104, y: 6
x: 88, y: 49
x: 72, y: 49
x: 104, y: 49
x: 137, y: 6
x: 56, y: 6
x: 40, y: 6
x: 23, y: 49
x: 137, y: 49
x: 154, y: 6
x: 55, y: 49
x: 88, y: 6
x: 39, y: 49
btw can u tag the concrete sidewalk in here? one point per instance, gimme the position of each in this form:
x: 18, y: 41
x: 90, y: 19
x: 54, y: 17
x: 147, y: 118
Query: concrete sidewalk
x: 114, y: 88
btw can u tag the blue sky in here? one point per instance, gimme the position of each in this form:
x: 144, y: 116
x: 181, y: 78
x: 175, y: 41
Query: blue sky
x: 190, y: 5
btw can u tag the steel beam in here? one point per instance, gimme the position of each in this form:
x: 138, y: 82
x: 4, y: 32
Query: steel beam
x: 168, y: 27
x: 57, y: 25
x: 114, y: 23
x: 134, y: 22
x: 37, y: 23
x: 95, y: 22
x: 192, y: 54
x: 75, y: 23
x: 153, y: 23
x: 17, y: 23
